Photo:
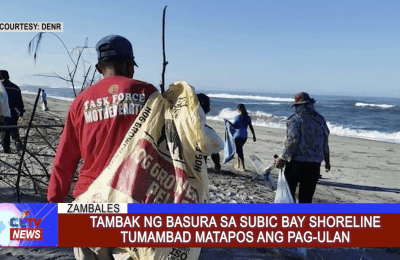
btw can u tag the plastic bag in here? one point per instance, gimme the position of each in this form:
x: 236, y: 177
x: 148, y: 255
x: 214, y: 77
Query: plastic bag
x: 264, y: 173
x: 4, y: 107
x: 283, y: 194
x: 229, y: 144
x: 214, y: 143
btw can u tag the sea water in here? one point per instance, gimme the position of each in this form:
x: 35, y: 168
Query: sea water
x: 373, y: 118
x: 360, y: 117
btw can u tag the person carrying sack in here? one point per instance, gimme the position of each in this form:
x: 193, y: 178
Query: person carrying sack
x: 306, y: 146
x: 160, y: 160
x: 217, y: 142
x: 96, y: 124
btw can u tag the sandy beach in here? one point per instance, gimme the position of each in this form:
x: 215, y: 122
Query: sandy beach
x: 363, y: 171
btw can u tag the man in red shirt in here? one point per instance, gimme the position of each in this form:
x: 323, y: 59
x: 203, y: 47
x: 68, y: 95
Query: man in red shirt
x: 98, y: 119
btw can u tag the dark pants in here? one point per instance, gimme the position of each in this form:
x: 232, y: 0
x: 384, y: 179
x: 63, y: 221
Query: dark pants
x: 13, y: 132
x: 239, y: 142
x: 215, y: 159
x: 306, y: 174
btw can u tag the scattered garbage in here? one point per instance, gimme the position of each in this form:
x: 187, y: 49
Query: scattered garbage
x: 264, y: 173
x: 283, y: 193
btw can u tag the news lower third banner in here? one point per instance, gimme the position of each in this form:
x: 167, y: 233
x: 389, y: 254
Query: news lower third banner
x: 198, y: 225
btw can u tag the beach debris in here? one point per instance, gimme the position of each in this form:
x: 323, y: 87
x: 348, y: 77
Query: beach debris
x: 283, y: 193
x: 264, y: 173
x: 24, y: 148
x: 78, y: 63
x: 25, y: 170
x: 165, y: 62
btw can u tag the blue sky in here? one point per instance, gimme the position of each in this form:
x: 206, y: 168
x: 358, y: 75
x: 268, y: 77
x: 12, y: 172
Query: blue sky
x: 323, y: 47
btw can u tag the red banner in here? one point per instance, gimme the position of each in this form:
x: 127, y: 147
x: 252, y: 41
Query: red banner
x: 228, y: 230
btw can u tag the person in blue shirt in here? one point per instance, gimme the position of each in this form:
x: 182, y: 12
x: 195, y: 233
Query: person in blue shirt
x: 241, y: 122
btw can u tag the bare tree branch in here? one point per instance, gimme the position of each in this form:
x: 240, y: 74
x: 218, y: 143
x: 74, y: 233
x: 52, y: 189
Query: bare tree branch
x: 52, y: 76
x: 165, y: 62
x: 34, y: 47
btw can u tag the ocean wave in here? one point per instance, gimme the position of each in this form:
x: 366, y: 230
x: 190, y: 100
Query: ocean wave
x: 263, y: 119
x: 259, y: 118
x: 64, y: 87
x: 44, y: 86
x: 225, y: 113
x: 262, y: 103
x: 359, y: 104
x: 249, y: 97
x: 364, y: 134
x: 61, y: 98
x: 49, y: 96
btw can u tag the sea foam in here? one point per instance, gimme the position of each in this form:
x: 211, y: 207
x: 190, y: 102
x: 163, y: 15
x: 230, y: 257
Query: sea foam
x: 250, y: 97
x: 269, y: 120
x: 364, y: 134
x: 359, y: 104
x: 49, y: 96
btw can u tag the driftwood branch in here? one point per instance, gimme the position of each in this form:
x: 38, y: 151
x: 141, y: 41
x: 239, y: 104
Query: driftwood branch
x: 51, y: 76
x: 31, y: 165
x: 165, y: 62
x: 93, y: 78
x: 85, y: 77
x: 24, y: 144
x: 35, y: 126
x: 34, y: 47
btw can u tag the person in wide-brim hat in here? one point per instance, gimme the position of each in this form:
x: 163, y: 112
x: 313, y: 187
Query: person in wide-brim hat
x: 306, y: 146
x: 302, y: 98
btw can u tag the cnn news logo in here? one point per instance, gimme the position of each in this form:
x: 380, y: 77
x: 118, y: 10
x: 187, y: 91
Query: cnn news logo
x: 25, y: 228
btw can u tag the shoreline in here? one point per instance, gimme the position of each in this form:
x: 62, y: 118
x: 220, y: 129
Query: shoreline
x: 363, y: 171
x: 357, y: 164
x: 66, y: 100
